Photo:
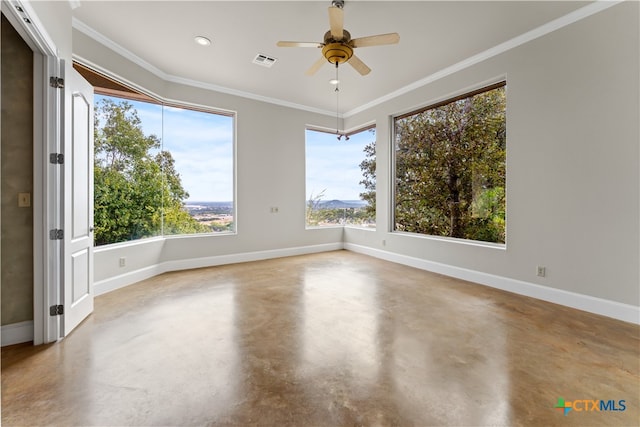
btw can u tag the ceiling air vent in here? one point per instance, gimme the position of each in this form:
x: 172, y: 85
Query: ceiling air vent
x: 264, y: 60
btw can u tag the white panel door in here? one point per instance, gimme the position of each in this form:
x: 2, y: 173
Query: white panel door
x: 78, y: 202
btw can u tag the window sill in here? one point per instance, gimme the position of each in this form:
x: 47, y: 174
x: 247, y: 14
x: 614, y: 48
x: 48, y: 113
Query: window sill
x: 476, y: 243
x: 133, y: 243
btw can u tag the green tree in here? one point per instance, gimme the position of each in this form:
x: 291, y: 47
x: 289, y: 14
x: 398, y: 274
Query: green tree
x: 138, y: 192
x: 450, y: 169
x: 368, y: 167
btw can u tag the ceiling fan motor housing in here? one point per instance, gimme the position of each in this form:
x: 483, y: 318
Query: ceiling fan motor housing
x: 337, y: 53
x: 338, y: 46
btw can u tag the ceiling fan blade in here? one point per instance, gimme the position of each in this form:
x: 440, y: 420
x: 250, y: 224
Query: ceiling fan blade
x: 299, y: 44
x: 359, y: 66
x: 380, y: 39
x: 316, y: 66
x: 336, y: 22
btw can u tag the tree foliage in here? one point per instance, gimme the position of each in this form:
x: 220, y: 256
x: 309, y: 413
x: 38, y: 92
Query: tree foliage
x: 368, y: 167
x: 313, y: 211
x: 450, y: 167
x: 137, y: 191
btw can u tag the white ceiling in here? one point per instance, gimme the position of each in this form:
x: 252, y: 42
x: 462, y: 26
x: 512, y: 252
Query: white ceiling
x: 433, y: 36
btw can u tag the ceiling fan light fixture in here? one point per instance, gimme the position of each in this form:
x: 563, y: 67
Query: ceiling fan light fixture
x: 202, y: 40
x: 337, y: 53
x: 338, y: 46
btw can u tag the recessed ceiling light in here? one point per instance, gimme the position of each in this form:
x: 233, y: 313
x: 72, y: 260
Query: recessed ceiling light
x: 334, y: 81
x: 202, y: 41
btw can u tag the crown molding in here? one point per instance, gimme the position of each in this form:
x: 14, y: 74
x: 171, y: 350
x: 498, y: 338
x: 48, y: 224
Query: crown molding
x: 253, y: 96
x: 107, y: 42
x: 549, y: 27
x: 122, y: 51
x: 556, y: 24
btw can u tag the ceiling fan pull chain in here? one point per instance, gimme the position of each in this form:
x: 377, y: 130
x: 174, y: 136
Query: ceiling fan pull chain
x: 337, y: 91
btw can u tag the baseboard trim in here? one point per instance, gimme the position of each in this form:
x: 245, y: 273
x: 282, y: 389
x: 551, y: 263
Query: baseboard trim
x: 608, y: 308
x: 126, y: 279
x: 186, y: 264
x: 16, y: 333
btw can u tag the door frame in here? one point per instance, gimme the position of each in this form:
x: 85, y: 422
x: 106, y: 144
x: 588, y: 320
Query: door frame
x: 47, y: 190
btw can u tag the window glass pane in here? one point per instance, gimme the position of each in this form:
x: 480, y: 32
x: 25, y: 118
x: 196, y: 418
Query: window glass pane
x: 160, y: 170
x: 450, y: 168
x: 198, y: 171
x: 340, y: 179
x: 127, y: 175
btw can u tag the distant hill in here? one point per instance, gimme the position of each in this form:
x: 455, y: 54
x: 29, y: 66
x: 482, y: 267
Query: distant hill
x: 342, y: 204
x: 202, y: 205
x: 329, y: 204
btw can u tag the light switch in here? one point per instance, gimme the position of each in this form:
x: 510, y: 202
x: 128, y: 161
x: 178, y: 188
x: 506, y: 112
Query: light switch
x: 24, y: 200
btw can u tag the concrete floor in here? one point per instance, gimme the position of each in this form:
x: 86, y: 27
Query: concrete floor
x: 331, y: 339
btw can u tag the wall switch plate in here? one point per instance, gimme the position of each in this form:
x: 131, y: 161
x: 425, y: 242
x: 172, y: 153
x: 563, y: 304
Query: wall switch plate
x: 24, y: 200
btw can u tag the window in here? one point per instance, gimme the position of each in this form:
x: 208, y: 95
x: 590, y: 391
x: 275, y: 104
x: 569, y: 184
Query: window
x: 450, y: 168
x: 340, y: 179
x: 201, y: 144
x: 160, y: 170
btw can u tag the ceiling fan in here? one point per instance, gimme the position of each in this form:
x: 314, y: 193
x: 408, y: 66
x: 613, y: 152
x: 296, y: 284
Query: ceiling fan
x: 338, y: 45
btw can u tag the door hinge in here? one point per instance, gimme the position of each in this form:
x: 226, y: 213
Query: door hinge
x: 56, y: 310
x: 56, y: 158
x: 56, y: 234
x: 56, y: 82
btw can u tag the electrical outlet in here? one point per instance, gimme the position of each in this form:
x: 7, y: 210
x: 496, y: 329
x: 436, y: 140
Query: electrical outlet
x: 274, y: 209
x: 123, y: 261
x: 541, y: 271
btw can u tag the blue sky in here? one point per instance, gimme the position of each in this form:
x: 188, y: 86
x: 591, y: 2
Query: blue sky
x: 334, y: 165
x: 202, y: 147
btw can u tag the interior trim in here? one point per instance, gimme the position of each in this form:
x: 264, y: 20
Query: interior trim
x: 603, y: 307
x: 613, y: 309
x: 556, y: 24
x: 102, y: 39
x: 16, y: 333
x: 126, y: 279
x: 26, y: 22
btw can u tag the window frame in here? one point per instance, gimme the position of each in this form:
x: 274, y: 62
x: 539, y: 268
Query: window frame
x: 336, y: 133
x: 127, y: 91
x: 463, y: 94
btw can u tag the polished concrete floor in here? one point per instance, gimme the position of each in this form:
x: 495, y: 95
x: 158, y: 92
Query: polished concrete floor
x: 331, y: 339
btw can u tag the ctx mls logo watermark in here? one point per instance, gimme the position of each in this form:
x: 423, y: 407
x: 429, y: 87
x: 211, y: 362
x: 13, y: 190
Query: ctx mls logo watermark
x: 588, y: 405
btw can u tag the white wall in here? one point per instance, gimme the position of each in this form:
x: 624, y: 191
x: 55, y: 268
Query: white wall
x: 572, y: 161
x: 55, y: 18
x: 270, y: 156
x: 573, y: 190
